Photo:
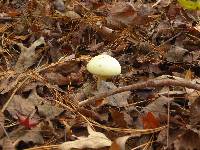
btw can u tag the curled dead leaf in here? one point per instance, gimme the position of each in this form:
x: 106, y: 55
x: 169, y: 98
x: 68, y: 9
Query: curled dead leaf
x: 94, y: 140
x: 28, y: 56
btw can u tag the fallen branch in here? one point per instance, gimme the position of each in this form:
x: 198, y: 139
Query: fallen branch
x: 141, y: 85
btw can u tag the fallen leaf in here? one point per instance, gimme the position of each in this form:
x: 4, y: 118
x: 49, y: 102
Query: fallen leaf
x: 119, y: 143
x: 192, y: 96
x: 158, y: 106
x: 195, y: 112
x: 94, y: 140
x: 70, y: 14
x: 8, y: 83
x: 121, y: 119
x: 27, y: 122
x: 8, y: 145
x: 188, y: 75
x: 176, y: 54
x: 28, y: 56
x: 121, y: 14
x: 49, y: 111
x: 27, y: 136
x: 20, y: 105
x: 188, y: 140
x: 118, y: 100
x: 2, y: 120
x: 149, y: 121
x: 32, y: 135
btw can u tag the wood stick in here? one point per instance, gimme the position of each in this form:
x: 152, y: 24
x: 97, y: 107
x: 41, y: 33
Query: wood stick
x: 141, y: 85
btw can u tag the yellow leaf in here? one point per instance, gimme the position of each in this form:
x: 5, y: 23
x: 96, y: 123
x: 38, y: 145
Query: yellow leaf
x: 188, y: 75
x: 190, y: 4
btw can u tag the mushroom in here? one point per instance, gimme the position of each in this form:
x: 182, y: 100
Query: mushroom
x: 104, y: 67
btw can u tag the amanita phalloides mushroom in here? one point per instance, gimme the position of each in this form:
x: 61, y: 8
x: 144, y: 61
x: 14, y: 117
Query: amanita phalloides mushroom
x: 104, y: 66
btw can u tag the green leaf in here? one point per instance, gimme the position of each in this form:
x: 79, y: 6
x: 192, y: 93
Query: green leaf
x: 190, y: 4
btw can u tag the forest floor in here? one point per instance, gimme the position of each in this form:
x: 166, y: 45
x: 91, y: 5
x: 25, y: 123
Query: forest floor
x: 49, y: 100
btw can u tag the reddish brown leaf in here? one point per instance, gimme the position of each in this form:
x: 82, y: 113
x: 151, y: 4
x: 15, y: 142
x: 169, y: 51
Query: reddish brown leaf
x: 149, y: 121
x: 120, y: 118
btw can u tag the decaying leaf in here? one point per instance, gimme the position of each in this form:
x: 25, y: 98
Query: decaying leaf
x: 8, y: 83
x: 121, y: 14
x: 2, y: 120
x: 176, y: 54
x: 70, y: 14
x: 32, y: 136
x: 188, y: 140
x: 158, y: 106
x: 118, y: 100
x: 49, y: 111
x: 195, y: 112
x: 119, y: 143
x: 49, y: 42
x: 25, y: 106
x: 27, y: 121
x: 122, y: 119
x: 20, y: 105
x: 149, y: 121
x: 28, y: 55
x: 94, y: 140
x: 8, y: 145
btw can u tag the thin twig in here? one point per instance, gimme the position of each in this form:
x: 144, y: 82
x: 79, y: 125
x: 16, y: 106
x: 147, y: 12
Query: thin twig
x: 141, y: 85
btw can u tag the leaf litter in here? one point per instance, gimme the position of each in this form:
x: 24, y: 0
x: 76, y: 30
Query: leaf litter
x: 49, y: 100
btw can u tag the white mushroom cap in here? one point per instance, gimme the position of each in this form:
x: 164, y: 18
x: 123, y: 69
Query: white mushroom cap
x: 104, y: 65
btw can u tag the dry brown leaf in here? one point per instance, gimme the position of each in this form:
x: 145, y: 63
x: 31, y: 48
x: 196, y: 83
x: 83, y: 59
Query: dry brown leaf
x: 173, y: 134
x: 119, y: 100
x: 70, y: 14
x: 45, y: 108
x: 56, y: 78
x: 49, y: 111
x: 20, y: 105
x: 176, y: 54
x: 188, y: 75
x: 192, y: 96
x: 188, y: 140
x: 119, y: 143
x: 28, y: 55
x: 94, y: 140
x: 8, y: 83
x: 157, y: 106
x: 122, y: 119
x: 28, y: 136
x: 195, y: 112
x: 8, y: 145
x: 121, y: 13
x: 2, y: 120
x: 32, y: 136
